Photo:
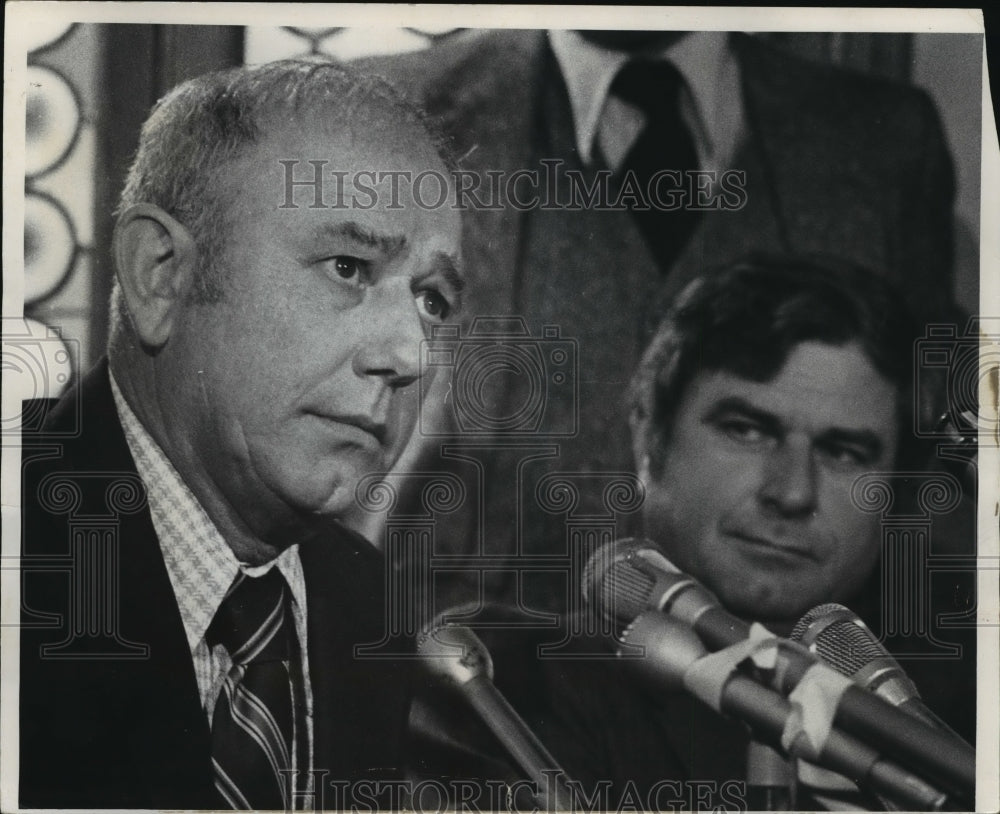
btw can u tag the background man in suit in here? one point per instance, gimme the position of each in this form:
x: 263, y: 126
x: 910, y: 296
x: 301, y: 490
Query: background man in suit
x: 263, y: 357
x: 827, y: 161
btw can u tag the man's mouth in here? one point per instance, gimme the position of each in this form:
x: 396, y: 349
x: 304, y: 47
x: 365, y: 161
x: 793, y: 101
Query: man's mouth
x: 377, y: 429
x: 770, y: 544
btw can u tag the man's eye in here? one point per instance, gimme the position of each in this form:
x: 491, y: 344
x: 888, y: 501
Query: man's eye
x: 433, y: 306
x: 347, y: 267
x: 846, y: 456
x: 745, y: 431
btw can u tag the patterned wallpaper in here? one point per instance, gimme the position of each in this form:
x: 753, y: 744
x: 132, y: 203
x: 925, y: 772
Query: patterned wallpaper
x: 267, y: 43
x: 59, y: 184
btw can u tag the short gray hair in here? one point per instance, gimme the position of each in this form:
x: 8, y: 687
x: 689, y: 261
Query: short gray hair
x: 209, y: 121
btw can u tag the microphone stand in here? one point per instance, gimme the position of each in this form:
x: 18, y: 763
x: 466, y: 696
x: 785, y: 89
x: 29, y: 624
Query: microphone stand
x: 770, y: 780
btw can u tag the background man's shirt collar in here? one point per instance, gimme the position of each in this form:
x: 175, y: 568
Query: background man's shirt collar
x: 712, y: 104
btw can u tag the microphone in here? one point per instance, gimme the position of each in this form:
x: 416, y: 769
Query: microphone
x: 838, y: 636
x: 457, y: 657
x: 670, y: 652
x: 626, y: 577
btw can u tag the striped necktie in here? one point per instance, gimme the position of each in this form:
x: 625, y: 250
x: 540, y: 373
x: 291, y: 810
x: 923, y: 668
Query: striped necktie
x: 253, y: 722
x: 665, y: 143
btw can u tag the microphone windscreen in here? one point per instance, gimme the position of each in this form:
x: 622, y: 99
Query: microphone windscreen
x: 837, y: 636
x: 619, y: 579
x: 811, y: 616
x: 626, y: 591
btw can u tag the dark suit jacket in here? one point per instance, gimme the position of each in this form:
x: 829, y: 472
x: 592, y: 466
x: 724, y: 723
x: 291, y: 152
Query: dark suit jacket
x: 110, y: 712
x: 835, y: 162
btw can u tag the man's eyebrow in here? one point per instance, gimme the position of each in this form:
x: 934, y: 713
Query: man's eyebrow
x: 737, y: 404
x: 866, y: 438
x: 446, y: 266
x: 388, y: 244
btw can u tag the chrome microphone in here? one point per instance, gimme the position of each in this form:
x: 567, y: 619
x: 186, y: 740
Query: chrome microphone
x: 626, y: 578
x: 671, y: 650
x: 838, y: 636
x: 457, y: 657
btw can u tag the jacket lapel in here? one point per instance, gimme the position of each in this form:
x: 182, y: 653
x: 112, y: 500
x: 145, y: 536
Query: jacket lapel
x: 137, y: 714
x: 360, y: 699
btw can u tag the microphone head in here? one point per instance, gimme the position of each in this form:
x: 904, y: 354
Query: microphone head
x: 839, y: 637
x: 620, y: 578
x: 842, y: 640
x: 454, y: 653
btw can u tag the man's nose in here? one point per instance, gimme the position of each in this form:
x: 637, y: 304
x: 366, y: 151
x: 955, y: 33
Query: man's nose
x: 789, y: 479
x: 392, y: 349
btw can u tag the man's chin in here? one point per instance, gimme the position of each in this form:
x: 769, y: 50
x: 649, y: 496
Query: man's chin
x: 767, y: 605
x: 326, y: 499
x: 632, y: 41
x: 332, y: 487
x: 342, y: 498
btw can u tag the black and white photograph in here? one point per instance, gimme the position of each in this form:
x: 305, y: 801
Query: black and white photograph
x: 499, y: 409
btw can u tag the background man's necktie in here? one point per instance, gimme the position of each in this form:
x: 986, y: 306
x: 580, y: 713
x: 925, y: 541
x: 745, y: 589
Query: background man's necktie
x: 665, y: 143
x: 253, y: 723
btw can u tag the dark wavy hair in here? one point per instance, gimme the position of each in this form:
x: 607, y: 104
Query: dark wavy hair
x: 746, y: 318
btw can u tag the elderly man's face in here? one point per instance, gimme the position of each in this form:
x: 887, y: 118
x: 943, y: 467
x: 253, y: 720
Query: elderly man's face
x: 302, y: 379
x: 755, y: 497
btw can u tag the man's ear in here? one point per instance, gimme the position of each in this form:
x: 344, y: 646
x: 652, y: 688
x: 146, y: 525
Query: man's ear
x: 156, y: 260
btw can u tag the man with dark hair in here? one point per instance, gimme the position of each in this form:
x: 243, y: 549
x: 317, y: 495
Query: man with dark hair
x: 768, y: 389
x: 202, y: 652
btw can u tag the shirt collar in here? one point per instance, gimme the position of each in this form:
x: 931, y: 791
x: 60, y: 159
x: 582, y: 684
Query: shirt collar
x: 703, y: 58
x: 199, y: 562
x: 588, y: 70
